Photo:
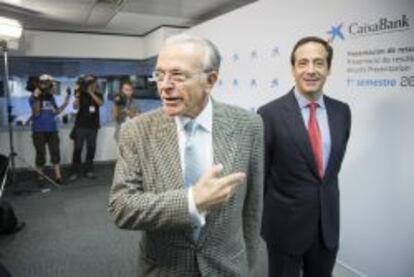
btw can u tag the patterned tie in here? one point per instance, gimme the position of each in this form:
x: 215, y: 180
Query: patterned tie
x: 192, y: 161
x: 315, y: 138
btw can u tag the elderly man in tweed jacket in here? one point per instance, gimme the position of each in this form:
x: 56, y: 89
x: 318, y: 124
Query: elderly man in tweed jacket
x: 208, y: 226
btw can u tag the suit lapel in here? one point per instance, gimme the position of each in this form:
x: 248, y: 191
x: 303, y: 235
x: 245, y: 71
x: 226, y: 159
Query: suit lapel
x: 298, y: 130
x: 224, y: 150
x: 167, y: 155
x: 334, y: 126
x: 223, y: 141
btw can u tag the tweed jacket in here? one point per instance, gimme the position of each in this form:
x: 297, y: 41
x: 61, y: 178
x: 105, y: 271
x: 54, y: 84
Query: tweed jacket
x: 148, y: 194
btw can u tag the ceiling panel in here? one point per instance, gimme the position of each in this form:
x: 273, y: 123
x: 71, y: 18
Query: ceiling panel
x: 137, y: 23
x: 132, y: 17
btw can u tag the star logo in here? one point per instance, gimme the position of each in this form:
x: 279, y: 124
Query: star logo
x: 335, y: 32
x: 274, y: 83
x: 253, y: 83
x: 253, y: 55
x: 235, y: 57
x: 275, y: 51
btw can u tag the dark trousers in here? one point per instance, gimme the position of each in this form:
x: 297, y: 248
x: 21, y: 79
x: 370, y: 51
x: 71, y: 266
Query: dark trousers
x: 82, y: 136
x: 40, y: 140
x: 317, y: 261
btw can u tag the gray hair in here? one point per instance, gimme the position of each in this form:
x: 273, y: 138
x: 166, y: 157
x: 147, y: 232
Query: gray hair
x: 212, y: 58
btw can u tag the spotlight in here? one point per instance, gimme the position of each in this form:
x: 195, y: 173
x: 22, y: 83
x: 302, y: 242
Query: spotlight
x: 10, y: 29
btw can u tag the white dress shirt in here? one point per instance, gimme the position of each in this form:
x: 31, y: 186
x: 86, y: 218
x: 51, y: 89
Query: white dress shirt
x: 204, y: 135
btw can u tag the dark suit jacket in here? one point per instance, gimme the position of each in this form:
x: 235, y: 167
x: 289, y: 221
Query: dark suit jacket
x: 296, y: 198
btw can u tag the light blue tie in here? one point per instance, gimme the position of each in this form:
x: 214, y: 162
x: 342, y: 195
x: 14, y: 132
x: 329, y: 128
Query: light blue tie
x: 192, y: 161
x: 192, y: 158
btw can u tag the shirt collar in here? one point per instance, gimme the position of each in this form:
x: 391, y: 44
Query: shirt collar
x: 303, y: 102
x: 204, y: 119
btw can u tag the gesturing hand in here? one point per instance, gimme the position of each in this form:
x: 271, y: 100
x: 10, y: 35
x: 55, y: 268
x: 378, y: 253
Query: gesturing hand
x: 212, y: 190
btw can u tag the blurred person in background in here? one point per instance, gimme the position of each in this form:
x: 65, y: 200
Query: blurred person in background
x: 88, y: 101
x: 125, y: 106
x: 44, y: 125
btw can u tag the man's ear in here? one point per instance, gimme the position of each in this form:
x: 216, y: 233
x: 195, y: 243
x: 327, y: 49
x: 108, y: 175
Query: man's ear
x: 212, y: 78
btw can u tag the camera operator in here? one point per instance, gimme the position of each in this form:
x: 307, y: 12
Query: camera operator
x: 44, y: 125
x: 87, y: 100
x: 125, y: 106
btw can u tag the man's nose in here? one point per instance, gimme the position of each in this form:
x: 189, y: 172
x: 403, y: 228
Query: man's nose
x: 165, y: 88
x: 165, y: 83
x: 310, y: 69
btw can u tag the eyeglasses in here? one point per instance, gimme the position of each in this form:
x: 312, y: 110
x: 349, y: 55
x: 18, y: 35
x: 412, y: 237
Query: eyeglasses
x: 175, y: 76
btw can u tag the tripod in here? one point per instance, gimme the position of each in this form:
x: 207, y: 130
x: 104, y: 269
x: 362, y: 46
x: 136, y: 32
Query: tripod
x: 4, y: 162
x: 13, y: 154
x: 3, y: 45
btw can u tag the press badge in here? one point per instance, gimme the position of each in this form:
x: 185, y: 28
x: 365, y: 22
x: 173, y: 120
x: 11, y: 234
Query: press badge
x: 91, y: 109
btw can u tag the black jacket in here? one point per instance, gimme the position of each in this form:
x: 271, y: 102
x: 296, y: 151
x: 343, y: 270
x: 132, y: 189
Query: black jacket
x: 296, y: 198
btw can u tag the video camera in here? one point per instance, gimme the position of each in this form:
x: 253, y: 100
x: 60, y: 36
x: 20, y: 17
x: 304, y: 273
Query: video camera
x: 44, y: 83
x: 120, y: 99
x: 85, y: 81
x: 32, y: 83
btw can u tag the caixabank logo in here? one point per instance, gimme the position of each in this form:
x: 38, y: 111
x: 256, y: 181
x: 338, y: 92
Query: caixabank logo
x: 383, y: 25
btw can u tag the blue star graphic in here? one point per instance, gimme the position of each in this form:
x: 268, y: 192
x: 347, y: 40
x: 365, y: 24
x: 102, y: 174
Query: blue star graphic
x: 336, y: 32
x: 253, y: 83
x: 235, y: 57
x: 275, y: 83
x: 254, y: 54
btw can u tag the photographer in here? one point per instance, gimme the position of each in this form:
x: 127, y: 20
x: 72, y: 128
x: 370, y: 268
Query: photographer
x: 44, y: 125
x: 125, y: 106
x: 87, y: 100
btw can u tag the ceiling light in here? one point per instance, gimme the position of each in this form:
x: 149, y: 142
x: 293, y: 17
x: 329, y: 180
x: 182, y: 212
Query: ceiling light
x: 10, y: 29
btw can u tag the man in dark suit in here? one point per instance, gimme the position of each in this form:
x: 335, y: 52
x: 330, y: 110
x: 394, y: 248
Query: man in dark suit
x: 306, y: 133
